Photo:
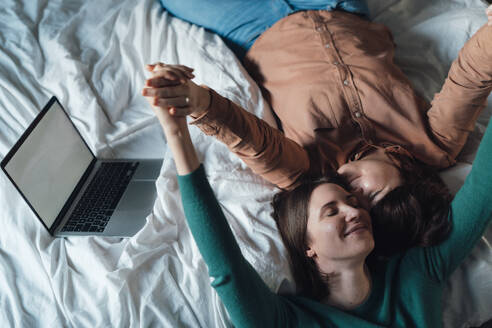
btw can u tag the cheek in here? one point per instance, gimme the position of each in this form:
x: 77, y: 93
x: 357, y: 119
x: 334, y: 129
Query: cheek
x: 327, y: 232
x: 369, y: 182
x: 375, y: 179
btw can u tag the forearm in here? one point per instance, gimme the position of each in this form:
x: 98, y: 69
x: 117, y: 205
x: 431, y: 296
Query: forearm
x: 179, y: 141
x: 263, y: 148
x: 464, y: 94
x: 248, y: 300
x: 471, y: 212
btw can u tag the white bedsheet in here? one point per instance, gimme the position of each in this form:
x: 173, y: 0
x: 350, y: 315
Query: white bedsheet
x: 90, y: 54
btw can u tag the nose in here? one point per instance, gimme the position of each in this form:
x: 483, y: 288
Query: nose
x: 351, y: 213
x: 342, y: 169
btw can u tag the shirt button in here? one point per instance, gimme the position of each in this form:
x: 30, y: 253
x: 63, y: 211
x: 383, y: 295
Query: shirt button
x: 319, y: 29
x: 346, y: 82
x: 357, y: 114
x: 327, y: 45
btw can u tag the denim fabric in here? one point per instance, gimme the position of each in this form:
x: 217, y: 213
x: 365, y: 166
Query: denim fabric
x: 241, y: 22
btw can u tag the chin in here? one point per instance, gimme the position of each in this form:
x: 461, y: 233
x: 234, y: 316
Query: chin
x: 362, y: 242
x: 367, y: 245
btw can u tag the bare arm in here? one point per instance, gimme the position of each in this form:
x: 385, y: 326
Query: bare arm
x: 175, y: 126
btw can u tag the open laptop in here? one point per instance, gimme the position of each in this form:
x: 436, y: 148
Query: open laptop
x: 69, y: 189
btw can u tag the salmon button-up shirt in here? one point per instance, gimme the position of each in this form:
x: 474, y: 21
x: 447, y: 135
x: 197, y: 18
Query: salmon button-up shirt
x: 331, y: 79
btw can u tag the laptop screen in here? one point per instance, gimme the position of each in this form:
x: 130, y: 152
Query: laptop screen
x: 49, y: 163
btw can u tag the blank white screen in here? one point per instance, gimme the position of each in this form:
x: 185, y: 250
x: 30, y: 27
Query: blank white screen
x: 49, y: 164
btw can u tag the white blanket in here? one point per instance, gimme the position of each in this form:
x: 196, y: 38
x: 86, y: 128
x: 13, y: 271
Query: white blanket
x: 91, y: 54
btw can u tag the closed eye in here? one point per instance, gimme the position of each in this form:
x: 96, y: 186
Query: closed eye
x: 352, y: 201
x: 329, y: 209
x: 373, y: 195
x: 331, y: 212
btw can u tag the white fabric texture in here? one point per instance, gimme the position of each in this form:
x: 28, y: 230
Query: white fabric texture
x: 91, y: 55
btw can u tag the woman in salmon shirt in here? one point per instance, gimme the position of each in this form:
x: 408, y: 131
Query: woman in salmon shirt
x: 342, y: 105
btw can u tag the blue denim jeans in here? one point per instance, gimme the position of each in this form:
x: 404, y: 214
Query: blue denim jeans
x: 241, y: 22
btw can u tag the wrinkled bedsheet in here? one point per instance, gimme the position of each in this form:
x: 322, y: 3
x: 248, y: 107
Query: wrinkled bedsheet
x: 91, y: 55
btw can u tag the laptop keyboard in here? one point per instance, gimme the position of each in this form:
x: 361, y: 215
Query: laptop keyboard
x: 99, y: 201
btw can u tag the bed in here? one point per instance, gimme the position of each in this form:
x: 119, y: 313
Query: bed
x: 91, y: 55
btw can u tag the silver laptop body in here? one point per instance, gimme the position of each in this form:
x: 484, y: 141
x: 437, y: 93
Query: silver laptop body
x: 56, y: 173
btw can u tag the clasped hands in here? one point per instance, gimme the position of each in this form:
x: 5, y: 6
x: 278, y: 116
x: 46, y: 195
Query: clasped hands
x: 173, y: 95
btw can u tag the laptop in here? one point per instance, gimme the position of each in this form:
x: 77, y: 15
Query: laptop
x: 72, y: 192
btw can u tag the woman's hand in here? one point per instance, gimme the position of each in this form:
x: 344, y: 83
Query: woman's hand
x: 489, y: 15
x: 170, y: 88
x: 172, y: 125
x: 165, y: 99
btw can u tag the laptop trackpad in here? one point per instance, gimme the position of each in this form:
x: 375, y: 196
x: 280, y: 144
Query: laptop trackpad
x: 132, y: 210
x: 148, y: 170
x: 139, y: 195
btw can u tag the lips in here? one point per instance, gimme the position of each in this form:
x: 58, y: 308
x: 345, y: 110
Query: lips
x: 356, y: 227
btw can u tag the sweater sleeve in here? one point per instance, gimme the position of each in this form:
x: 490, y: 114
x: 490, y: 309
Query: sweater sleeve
x: 464, y: 95
x: 248, y: 300
x: 266, y: 150
x: 470, y: 213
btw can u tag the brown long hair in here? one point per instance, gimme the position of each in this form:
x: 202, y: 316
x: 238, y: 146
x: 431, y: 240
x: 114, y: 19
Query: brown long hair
x: 415, y: 214
x: 291, y: 212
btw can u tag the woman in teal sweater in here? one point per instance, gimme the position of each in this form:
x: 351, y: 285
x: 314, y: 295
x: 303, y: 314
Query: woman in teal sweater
x: 404, y: 291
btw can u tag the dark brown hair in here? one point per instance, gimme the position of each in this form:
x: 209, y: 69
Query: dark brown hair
x: 291, y: 211
x: 415, y: 214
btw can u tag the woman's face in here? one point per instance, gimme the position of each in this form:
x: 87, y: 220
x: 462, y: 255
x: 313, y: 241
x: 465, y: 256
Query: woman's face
x: 371, y: 179
x: 338, y: 229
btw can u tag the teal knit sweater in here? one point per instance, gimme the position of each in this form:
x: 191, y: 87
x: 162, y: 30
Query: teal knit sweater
x: 406, y: 290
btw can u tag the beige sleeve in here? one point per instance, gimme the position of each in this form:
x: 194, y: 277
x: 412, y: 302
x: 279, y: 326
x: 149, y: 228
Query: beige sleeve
x: 464, y: 95
x: 263, y: 148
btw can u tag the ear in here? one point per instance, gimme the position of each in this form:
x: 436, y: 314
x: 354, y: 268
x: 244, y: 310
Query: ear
x: 310, y: 252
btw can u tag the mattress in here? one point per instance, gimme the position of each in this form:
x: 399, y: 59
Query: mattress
x: 91, y: 55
